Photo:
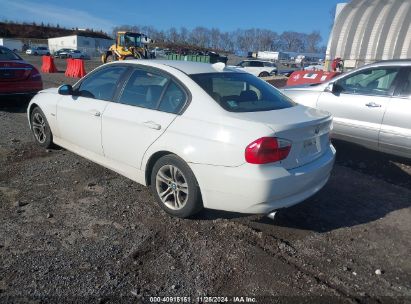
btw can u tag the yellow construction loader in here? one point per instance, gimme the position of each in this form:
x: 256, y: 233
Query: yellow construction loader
x: 128, y: 45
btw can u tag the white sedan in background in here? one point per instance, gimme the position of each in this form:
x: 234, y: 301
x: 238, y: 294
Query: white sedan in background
x: 38, y: 50
x: 260, y: 68
x: 199, y: 135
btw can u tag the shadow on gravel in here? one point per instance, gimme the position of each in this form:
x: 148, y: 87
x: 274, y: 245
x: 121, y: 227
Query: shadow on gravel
x: 14, y: 104
x: 346, y: 201
x: 380, y: 165
x: 210, y: 214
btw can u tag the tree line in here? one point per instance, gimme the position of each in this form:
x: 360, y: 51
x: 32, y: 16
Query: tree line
x: 241, y: 40
x: 11, y: 29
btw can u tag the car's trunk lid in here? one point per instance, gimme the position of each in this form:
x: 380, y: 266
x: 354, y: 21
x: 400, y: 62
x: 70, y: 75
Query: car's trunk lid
x: 307, y: 128
x: 14, y: 70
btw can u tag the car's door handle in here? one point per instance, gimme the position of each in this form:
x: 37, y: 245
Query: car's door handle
x: 152, y: 125
x: 95, y: 113
x: 373, y: 105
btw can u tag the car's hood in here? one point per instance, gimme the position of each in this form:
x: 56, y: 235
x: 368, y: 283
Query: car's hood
x: 50, y: 90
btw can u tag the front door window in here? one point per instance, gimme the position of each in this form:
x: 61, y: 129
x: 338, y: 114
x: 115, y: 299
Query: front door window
x: 376, y: 81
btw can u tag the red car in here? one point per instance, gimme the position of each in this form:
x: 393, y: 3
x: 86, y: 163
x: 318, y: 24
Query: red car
x: 17, y: 77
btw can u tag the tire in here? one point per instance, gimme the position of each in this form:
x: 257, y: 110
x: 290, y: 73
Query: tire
x: 175, y: 187
x: 35, y: 54
x: 110, y: 58
x: 137, y: 55
x: 40, y: 128
x: 264, y: 74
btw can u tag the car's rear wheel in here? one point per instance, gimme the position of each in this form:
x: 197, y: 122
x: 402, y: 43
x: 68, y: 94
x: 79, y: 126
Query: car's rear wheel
x: 40, y: 128
x: 264, y: 74
x: 175, y: 187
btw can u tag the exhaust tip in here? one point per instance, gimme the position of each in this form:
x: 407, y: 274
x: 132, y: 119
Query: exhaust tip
x: 271, y: 215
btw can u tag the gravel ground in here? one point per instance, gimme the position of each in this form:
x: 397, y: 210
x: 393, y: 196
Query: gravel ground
x: 72, y: 231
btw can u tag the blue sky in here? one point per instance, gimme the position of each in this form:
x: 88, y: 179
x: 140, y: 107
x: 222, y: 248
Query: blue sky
x: 277, y: 15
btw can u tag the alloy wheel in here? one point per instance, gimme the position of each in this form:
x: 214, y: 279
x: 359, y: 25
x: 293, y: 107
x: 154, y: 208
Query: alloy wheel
x: 39, y: 127
x: 172, y: 187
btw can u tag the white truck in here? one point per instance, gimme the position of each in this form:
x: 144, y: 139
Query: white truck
x: 276, y: 56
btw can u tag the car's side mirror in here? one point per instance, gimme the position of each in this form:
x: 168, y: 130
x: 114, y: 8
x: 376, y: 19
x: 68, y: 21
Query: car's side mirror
x: 333, y: 88
x: 329, y: 88
x: 66, y: 89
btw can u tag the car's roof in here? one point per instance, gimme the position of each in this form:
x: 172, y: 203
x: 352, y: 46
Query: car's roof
x: 187, y: 67
x: 392, y: 62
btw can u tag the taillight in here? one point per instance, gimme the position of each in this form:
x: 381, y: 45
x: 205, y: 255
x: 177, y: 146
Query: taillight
x: 267, y: 150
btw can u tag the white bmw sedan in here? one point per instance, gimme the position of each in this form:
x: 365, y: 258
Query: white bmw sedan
x: 199, y: 135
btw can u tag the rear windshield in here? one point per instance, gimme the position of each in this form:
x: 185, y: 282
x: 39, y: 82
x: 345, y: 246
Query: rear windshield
x: 6, y: 54
x: 242, y: 92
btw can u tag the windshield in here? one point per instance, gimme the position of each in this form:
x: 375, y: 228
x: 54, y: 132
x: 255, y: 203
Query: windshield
x: 242, y: 92
x: 6, y: 54
x: 132, y: 39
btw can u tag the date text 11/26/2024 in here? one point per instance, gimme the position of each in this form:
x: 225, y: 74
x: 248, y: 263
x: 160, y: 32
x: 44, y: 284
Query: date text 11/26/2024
x: 202, y: 299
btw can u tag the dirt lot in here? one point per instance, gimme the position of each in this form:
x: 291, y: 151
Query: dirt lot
x: 72, y: 231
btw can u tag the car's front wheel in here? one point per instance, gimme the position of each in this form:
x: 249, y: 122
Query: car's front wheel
x: 40, y: 128
x: 110, y: 58
x: 175, y: 187
x: 264, y: 74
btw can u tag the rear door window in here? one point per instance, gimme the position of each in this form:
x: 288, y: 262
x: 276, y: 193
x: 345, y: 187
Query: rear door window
x: 144, y: 89
x: 173, y: 99
x: 245, y: 64
x: 257, y: 64
x: 404, y: 87
x: 151, y: 90
x: 269, y: 64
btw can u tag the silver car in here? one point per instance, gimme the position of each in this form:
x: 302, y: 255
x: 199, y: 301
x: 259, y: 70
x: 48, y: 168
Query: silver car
x: 371, y: 105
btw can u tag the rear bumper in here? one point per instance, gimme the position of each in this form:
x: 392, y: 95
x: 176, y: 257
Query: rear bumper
x: 261, y: 189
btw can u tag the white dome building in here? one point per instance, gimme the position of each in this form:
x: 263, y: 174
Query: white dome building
x: 365, y: 31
